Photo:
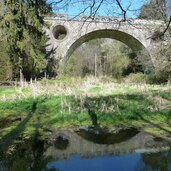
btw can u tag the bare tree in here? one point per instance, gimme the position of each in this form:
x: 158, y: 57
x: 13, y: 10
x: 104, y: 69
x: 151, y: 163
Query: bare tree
x: 152, y: 9
x: 91, y: 8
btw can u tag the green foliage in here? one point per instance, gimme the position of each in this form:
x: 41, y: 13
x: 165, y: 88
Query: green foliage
x: 156, y: 78
x: 71, y: 68
x: 22, y: 33
x: 120, y: 64
x: 53, y: 69
x: 5, y: 64
x: 136, y: 78
x: 99, y: 57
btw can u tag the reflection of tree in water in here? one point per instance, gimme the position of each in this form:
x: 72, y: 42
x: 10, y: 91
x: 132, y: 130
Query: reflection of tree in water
x: 28, y: 157
x: 160, y: 161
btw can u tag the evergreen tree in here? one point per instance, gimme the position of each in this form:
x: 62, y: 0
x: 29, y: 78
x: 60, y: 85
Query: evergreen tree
x: 22, y: 33
x: 5, y: 64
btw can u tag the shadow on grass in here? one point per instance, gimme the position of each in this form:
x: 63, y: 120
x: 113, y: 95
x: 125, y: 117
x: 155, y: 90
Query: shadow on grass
x: 105, y: 110
x: 166, y: 94
x: 92, y: 114
x: 153, y: 124
x: 127, y: 107
x: 100, y: 108
x: 16, y: 132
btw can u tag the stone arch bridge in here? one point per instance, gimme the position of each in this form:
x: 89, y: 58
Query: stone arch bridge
x: 67, y: 34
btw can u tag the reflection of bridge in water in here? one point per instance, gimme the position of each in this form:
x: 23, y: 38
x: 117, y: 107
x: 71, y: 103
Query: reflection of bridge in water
x: 141, y: 142
x: 66, y: 34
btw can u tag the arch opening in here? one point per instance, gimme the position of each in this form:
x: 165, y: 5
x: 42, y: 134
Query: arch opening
x: 123, y: 37
x: 105, y: 57
x: 137, y: 49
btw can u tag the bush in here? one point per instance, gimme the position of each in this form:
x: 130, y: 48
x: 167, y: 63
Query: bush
x: 156, y: 79
x: 107, y: 79
x: 135, y: 78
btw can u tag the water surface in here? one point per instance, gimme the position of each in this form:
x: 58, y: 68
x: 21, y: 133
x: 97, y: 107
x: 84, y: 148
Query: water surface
x: 89, y: 150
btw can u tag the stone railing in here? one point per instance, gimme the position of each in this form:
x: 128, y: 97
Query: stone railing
x: 104, y: 19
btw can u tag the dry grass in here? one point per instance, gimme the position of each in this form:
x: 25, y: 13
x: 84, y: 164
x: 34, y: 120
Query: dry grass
x: 89, y: 86
x: 68, y: 101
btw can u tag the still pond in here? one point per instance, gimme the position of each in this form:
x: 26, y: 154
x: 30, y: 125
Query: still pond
x: 88, y: 149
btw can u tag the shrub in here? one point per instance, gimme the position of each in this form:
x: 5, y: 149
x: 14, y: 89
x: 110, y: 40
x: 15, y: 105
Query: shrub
x: 156, y: 79
x: 135, y: 78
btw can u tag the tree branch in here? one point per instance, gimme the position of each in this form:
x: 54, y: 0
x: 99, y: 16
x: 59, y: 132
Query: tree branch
x: 123, y: 11
x: 167, y: 26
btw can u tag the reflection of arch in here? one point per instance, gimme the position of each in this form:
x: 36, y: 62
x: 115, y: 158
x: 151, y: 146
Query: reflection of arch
x: 123, y: 37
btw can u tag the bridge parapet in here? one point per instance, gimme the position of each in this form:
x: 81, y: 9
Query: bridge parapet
x: 104, y: 19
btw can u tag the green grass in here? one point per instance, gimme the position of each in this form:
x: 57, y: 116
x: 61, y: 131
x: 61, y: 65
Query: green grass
x: 7, y: 90
x: 96, y: 89
x: 7, y: 93
x: 145, y: 106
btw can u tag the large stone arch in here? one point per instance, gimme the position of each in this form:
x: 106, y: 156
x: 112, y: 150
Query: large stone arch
x: 121, y: 36
x: 137, y: 35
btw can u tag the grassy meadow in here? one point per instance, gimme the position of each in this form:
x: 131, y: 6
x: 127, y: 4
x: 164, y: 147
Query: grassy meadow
x: 72, y: 102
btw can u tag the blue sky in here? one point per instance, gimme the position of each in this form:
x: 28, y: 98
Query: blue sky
x: 168, y: 11
x: 108, y: 8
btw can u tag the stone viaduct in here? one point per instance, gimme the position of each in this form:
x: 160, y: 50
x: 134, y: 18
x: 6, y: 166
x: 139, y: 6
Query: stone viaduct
x: 67, y: 34
x: 140, y: 143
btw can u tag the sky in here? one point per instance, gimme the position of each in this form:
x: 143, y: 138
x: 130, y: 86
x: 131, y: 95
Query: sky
x: 108, y: 8
x: 168, y: 10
